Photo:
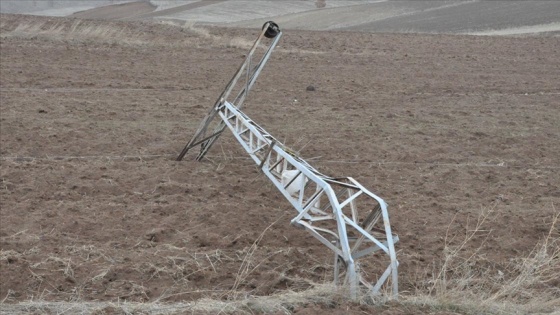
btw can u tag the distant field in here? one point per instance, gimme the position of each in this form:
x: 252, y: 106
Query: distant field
x: 378, y: 16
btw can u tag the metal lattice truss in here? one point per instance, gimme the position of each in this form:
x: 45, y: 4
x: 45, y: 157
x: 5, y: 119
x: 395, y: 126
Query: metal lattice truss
x: 339, y: 212
x: 342, y: 214
x: 239, y: 85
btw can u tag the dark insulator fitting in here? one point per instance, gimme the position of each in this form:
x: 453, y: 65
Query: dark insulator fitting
x: 272, y: 30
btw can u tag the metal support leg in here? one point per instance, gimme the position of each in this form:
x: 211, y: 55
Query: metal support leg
x: 270, y: 30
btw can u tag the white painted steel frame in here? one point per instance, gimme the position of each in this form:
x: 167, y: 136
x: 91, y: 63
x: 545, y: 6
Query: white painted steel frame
x: 320, y: 211
x: 251, y: 72
x: 274, y: 160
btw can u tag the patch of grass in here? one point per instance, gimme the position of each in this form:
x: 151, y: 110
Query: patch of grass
x: 248, y: 264
x: 284, y: 302
x: 82, y: 31
x: 78, y: 31
x: 526, y: 285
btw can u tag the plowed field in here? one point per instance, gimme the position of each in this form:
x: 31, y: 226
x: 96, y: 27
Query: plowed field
x: 449, y: 130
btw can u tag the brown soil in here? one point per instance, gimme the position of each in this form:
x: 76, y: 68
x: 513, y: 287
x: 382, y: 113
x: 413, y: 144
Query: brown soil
x: 94, y: 207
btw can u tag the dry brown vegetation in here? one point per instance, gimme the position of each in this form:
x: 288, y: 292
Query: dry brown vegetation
x: 84, y: 31
x: 173, y: 263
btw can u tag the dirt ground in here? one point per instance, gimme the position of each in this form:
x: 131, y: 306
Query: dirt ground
x: 95, y: 208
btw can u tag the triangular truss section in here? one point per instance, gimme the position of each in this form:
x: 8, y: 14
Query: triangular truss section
x: 339, y: 212
x: 239, y: 86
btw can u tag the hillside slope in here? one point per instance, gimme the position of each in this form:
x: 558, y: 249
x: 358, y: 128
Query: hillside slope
x: 379, y: 16
x: 459, y: 134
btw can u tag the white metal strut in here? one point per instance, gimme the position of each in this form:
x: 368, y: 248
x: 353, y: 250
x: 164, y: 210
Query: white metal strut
x: 339, y: 212
x: 342, y: 214
x: 238, y: 87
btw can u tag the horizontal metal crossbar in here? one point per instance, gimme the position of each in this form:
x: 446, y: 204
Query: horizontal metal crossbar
x: 372, y: 249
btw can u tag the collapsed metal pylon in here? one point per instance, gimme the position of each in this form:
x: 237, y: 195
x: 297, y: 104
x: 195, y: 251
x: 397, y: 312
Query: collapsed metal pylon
x: 339, y: 212
x: 269, y: 30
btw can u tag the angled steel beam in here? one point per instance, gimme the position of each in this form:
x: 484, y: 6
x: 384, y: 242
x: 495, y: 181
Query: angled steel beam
x: 270, y: 30
x: 339, y: 212
x: 356, y: 225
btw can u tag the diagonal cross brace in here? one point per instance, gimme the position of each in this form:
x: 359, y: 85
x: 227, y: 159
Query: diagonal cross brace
x: 323, y: 210
x: 270, y: 30
x: 275, y: 161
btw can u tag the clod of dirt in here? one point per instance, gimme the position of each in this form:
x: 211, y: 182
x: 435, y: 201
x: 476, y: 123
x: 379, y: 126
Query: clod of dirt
x: 310, y: 88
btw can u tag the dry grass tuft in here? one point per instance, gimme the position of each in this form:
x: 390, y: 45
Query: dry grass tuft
x: 80, y: 31
x: 285, y: 303
x: 76, y: 31
x: 191, y: 27
x: 248, y: 264
x: 535, y: 278
x: 239, y: 42
x: 526, y: 285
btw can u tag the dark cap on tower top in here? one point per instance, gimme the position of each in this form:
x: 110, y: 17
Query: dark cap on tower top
x: 272, y: 30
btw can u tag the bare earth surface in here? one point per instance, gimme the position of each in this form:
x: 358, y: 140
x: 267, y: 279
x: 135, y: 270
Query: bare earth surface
x: 496, y: 17
x: 94, y: 207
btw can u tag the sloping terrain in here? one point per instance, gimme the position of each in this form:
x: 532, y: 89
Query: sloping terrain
x: 379, y: 16
x: 54, y: 7
x: 439, y: 17
x: 459, y: 134
x: 130, y: 10
x: 468, y: 16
